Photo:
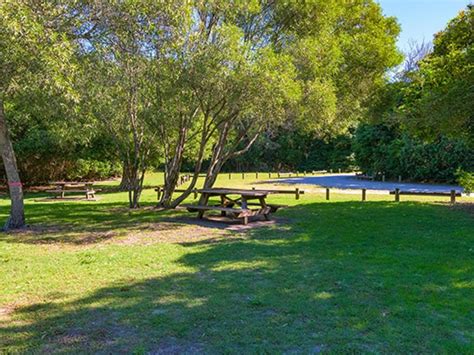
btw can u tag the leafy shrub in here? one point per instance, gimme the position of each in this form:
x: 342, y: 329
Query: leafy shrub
x: 93, y: 169
x: 382, y: 149
x: 466, y: 180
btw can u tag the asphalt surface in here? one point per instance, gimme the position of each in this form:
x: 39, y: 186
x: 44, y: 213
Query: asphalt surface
x: 349, y: 181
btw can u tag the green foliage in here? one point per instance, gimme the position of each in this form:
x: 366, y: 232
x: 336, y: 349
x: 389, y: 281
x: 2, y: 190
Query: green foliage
x: 295, y: 150
x: 93, y: 169
x: 466, y: 180
x: 383, y: 149
x: 439, y: 96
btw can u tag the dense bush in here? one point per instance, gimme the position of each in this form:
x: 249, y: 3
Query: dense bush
x: 293, y: 150
x: 383, y: 149
x: 45, y: 155
x: 466, y: 180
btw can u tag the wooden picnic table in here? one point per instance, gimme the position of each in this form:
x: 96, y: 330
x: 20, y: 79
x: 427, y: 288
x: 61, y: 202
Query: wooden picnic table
x: 63, y: 187
x: 235, y: 203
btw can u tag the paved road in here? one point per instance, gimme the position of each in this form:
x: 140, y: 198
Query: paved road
x: 348, y: 181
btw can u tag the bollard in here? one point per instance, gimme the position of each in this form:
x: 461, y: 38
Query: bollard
x: 364, y: 193
x: 327, y: 194
x: 397, y: 195
x: 297, y: 193
x: 453, y: 196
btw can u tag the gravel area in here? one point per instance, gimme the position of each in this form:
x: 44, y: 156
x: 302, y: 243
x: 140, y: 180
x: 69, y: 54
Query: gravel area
x: 349, y: 181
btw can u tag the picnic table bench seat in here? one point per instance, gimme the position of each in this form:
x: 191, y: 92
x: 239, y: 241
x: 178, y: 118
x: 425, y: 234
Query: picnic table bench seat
x: 195, y: 208
x: 233, y: 212
x: 273, y: 207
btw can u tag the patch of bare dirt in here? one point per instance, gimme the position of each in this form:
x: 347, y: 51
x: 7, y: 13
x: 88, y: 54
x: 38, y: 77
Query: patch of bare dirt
x: 184, y: 230
x: 174, y: 229
x: 6, y: 310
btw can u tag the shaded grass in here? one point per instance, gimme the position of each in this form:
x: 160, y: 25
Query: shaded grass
x: 337, y: 276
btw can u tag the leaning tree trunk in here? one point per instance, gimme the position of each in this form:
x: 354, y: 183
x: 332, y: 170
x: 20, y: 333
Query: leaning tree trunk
x: 173, y: 169
x: 17, y: 214
x: 217, y: 159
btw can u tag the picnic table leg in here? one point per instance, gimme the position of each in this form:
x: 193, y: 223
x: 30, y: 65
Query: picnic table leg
x: 205, y: 199
x: 223, y: 204
x: 244, y: 207
x: 263, y: 204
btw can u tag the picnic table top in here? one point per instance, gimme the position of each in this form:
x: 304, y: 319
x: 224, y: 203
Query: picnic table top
x: 225, y: 191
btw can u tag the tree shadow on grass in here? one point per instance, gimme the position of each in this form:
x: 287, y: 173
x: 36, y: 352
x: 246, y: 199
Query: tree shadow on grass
x: 344, y: 277
x: 80, y: 222
x: 85, y: 223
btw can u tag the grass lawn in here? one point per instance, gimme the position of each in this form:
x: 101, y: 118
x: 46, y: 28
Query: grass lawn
x: 323, y: 276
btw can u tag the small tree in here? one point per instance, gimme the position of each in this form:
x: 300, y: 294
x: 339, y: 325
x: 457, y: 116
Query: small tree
x: 119, y: 59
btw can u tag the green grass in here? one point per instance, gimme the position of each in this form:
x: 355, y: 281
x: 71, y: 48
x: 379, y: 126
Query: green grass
x: 337, y: 276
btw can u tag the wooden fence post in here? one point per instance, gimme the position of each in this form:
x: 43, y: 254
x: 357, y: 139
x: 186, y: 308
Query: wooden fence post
x: 327, y: 193
x: 453, y: 196
x: 278, y: 174
x: 256, y: 175
x: 230, y: 176
x: 158, y: 193
x: 243, y: 176
x: 399, y: 178
x: 195, y: 193
x: 269, y: 175
x: 383, y: 177
x: 297, y: 193
x: 364, y: 192
x: 397, y: 195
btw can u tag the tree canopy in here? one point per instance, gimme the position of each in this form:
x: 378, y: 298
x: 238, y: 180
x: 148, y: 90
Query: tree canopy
x: 146, y: 83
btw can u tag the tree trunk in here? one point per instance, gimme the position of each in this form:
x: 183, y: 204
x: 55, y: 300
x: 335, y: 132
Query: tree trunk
x: 217, y: 158
x: 125, y: 181
x: 17, y: 214
x: 173, y: 169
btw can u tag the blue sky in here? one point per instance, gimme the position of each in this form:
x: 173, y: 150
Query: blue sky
x: 420, y: 19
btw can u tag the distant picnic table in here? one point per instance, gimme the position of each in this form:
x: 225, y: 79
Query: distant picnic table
x: 63, y: 187
x: 235, y: 203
